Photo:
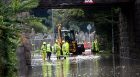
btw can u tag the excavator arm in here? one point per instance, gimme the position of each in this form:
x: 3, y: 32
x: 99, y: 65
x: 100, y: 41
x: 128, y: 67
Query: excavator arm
x: 59, y: 35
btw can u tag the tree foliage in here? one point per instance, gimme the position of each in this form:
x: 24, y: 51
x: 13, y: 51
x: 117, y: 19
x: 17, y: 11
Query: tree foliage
x: 10, y: 28
x: 37, y: 24
x: 67, y: 16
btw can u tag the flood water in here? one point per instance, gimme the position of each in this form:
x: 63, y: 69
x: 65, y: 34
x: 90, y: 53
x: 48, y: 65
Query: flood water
x: 85, y: 66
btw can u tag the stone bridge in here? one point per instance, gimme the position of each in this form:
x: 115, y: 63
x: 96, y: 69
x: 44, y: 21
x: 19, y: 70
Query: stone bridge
x: 126, y: 33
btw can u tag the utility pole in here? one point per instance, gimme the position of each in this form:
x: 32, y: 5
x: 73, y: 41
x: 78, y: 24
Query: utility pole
x: 53, y: 28
x: 114, y: 68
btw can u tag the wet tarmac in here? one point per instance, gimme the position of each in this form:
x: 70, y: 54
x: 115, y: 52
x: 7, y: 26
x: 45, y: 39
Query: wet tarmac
x: 85, y: 66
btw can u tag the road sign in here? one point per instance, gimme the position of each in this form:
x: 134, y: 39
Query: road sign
x: 89, y: 2
x: 89, y: 27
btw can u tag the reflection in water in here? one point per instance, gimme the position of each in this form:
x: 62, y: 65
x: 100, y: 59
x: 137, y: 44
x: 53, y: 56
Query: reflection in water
x: 47, y: 69
x: 73, y: 70
x: 95, y: 68
x: 88, y: 67
x: 85, y: 68
x: 66, y: 67
x: 125, y: 71
x: 44, y: 67
x: 58, y: 68
x: 61, y: 68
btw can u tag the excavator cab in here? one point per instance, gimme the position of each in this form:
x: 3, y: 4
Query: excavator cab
x: 69, y: 35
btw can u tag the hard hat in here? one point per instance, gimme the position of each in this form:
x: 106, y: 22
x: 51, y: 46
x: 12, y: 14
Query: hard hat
x: 63, y: 41
x: 44, y: 42
x: 56, y: 41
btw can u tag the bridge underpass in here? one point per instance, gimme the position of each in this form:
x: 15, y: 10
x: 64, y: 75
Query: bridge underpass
x: 126, y: 44
x: 128, y: 35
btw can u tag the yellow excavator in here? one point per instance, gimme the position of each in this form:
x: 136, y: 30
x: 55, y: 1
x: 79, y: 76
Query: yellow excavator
x: 69, y: 35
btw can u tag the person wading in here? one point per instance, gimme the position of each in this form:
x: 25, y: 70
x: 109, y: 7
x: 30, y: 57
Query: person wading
x: 43, y: 50
x: 64, y: 49
x: 95, y: 46
x: 58, y: 50
x: 49, y: 49
x: 67, y: 48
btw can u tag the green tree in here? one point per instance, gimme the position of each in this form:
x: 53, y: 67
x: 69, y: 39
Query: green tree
x: 10, y: 28
x: 36, y: 23
x: 67, y: 16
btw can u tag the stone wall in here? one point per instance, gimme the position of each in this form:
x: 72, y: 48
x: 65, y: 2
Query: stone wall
x: 129, y: 31
x: 116, y: 38
x: 136, y: 53
x: 123, y: 33
x: 126, y: 40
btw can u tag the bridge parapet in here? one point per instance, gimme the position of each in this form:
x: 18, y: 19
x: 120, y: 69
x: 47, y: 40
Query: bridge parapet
x: 71, y: 3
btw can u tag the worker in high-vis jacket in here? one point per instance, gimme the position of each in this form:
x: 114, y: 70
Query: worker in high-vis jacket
x: 67, y: 47
x: 43, y: 50
x: 95, y: 46
x: 53, y: 50
x: 49, y: 49
x: 54, y: 47
x: 58, y: 50
x: 64, y: 49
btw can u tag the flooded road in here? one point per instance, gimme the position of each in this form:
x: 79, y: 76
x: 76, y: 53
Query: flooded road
x: 85, y: 66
